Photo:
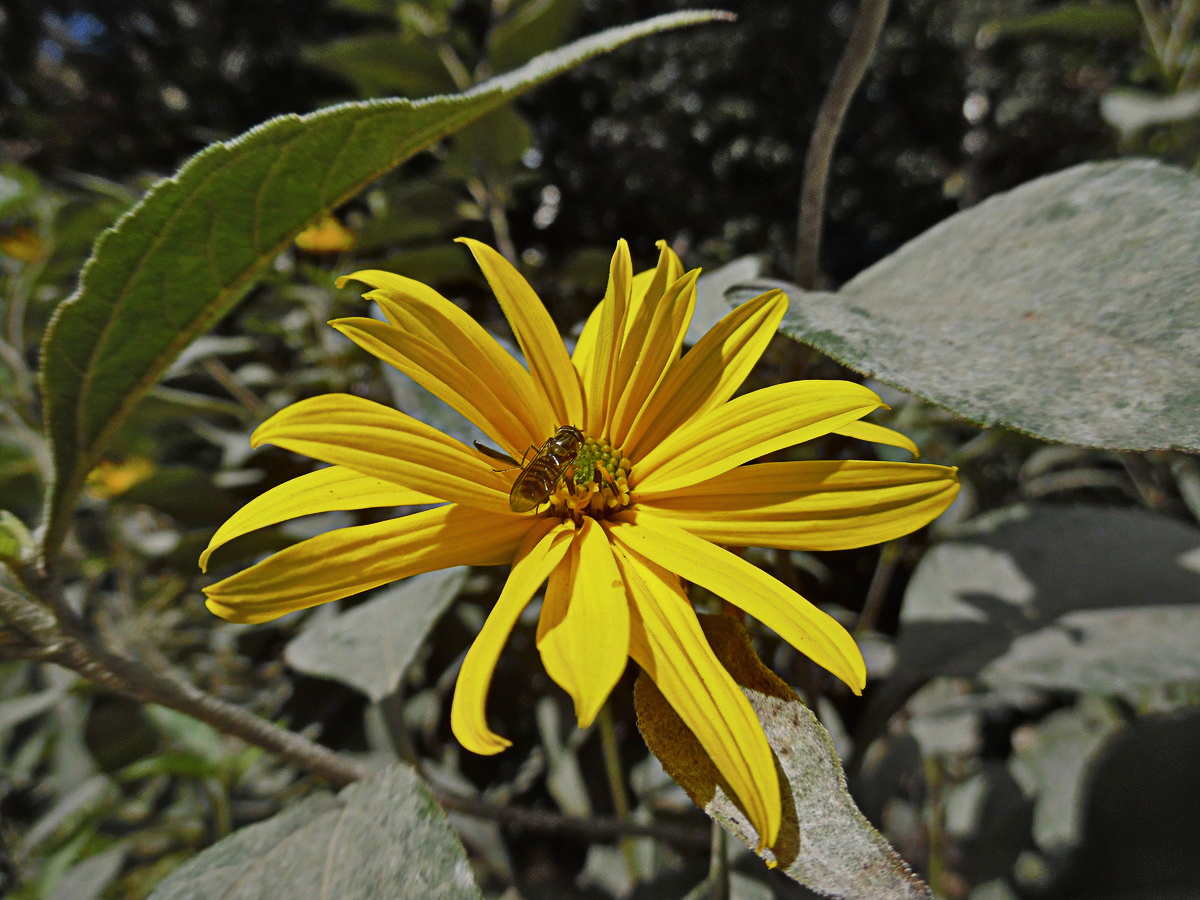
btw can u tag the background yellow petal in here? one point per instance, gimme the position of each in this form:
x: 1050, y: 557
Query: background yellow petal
x: 708, y: 374
x: 484, y: 397
x: 751, y: 426
x: 651, y: 346
x: 647, y: 287
x: 537, y: 335
x: 825, y: 505
x: 325, y: 490
x: 878, y: 434
x: 540, y: 552
x: 583, y: 630
x: 667, y: 642
x: 350, y: 560
x: 814, y: 633
x: 383, y: 442
x: 407, y: 288
x: 614, y: 310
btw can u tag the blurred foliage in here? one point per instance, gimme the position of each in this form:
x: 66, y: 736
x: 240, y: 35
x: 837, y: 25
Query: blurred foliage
x: 699, y: 138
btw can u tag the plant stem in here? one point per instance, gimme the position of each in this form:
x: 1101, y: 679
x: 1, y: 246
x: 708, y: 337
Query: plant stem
x: 137, y: 680
x: 1179, y: 37
x: 1156, y: 33
x: 860, y: 47
x: 881, y: 579
x: 718, y: 864
x: 34, y: 633
x: 616, y: 784
x: 61, y: 637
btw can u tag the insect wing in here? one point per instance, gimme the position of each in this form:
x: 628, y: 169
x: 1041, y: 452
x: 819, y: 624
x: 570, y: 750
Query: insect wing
x: 538, y: 480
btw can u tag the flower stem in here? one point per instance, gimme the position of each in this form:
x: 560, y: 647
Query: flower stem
x: 718, y: 864
x: 881, y: 579
x: 616, y: 784
x: 860, y: 47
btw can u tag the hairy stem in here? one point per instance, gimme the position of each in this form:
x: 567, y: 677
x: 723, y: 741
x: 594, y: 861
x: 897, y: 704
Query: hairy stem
x: 846, y: 78
x: 137, y: 680
x: 34, y: 633
x: 61, y: 637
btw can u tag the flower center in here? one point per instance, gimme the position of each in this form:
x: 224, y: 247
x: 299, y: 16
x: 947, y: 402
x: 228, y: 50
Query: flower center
x: 597, y: 483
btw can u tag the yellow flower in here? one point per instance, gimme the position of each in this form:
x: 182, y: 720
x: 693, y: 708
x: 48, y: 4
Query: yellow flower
x: 22, y: 244
x: 112, y: 479
x: 326, y: 236
x: 657, y: 485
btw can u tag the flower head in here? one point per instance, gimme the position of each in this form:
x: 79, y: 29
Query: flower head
x: 634, y: 475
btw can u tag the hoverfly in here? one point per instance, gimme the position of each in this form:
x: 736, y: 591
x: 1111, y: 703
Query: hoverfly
x: 539, y: 477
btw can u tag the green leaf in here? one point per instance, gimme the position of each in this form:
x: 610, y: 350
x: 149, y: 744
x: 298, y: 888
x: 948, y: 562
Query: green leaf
x: 492, y: 144
x: 533, y: 27
x: 87, y: 879
x: 171, y: 267
x: 1053, y: 763
x: 1096, y: 21
x: 370, y: 647
x: 414, y: 211
x: 1067, y: 308
x: 15, y: 710
x: 195, y: 737
x: 824, y: 842
x: 383, y: 63
x: 1090, y: 599
x: 16, y: 543
x: 383, y: 836
x: 18, y: 188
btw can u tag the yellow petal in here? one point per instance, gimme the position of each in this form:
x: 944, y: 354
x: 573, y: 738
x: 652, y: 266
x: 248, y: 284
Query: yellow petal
x: 668, y: 271
x: 350, y: 560
x: 383, y: 442
x: 669, y: 645
x: 825, y: 505
x: 814, y: 633
x: 614, y: 310
x: 647, y: 287
x: 651, y: 347
x: 541, y: 551
x: 419, y: 310
x: 536, y: 333
x: 483, y: 397
x: 878, y: 434
x: 751, y: 426
x: 583, y: 630
x: 645, y: 293
x: 325, y: 490
x: 710, y: 372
